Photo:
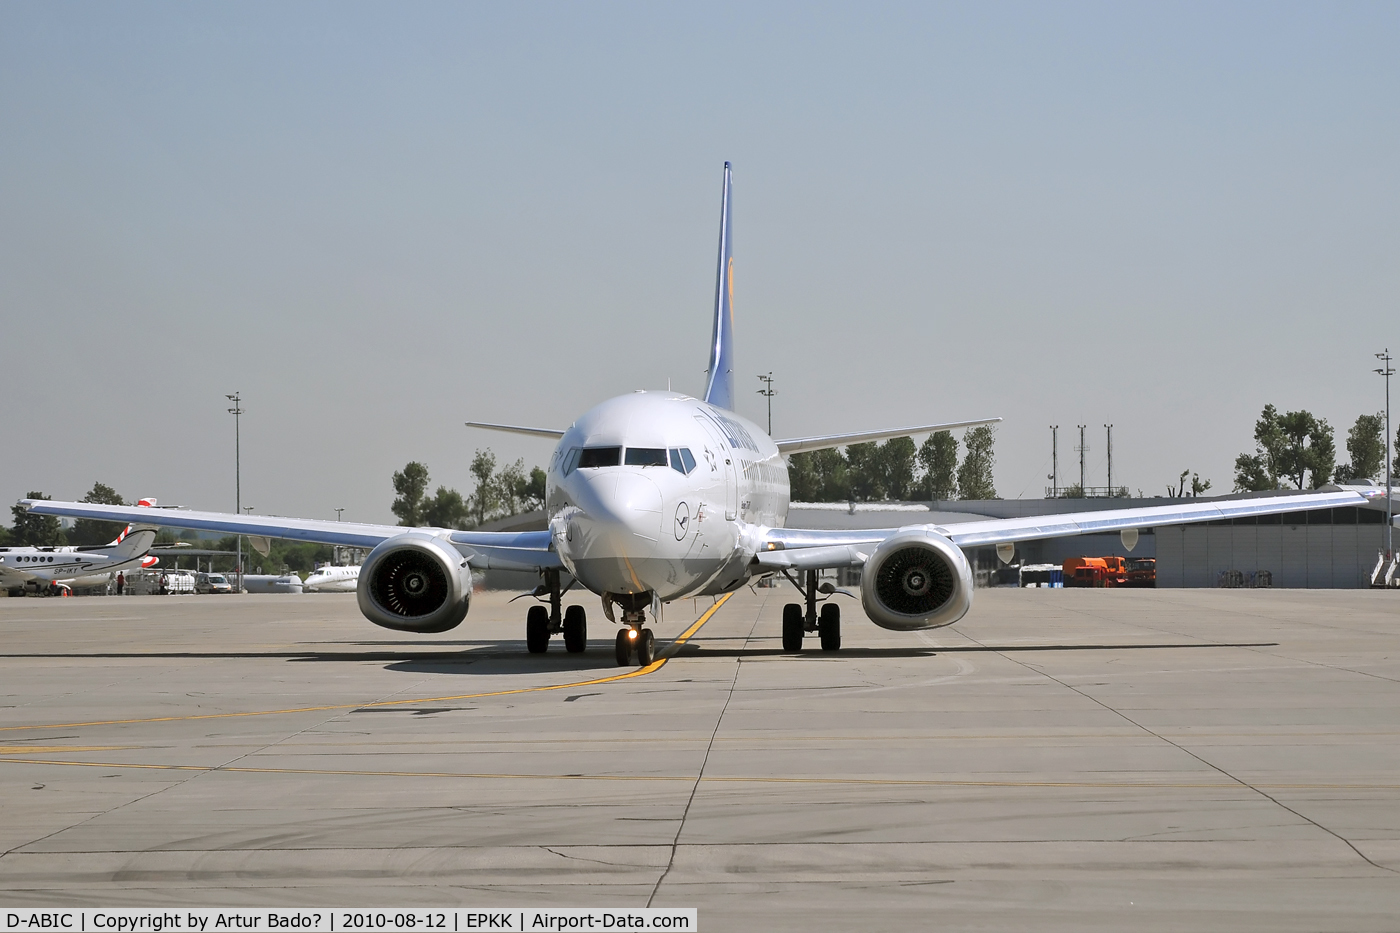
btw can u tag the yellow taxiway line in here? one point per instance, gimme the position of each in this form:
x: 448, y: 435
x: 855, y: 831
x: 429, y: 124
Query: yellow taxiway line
x: 667, y: 653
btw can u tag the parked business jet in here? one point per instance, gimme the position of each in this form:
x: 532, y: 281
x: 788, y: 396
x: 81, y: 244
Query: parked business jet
x: 331, y: 579
x: 658, y: 496
x: 35, y: 568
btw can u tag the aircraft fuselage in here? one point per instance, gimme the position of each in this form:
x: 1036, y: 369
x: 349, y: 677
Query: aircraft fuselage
x: 656, y: 493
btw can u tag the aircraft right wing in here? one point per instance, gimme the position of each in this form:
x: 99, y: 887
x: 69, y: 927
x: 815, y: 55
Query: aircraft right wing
x: 810, y: 549
x: 498, y: 550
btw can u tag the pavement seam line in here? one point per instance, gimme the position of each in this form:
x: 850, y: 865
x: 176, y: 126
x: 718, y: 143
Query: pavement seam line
x: 700, y: 775
x: 1209, y: 764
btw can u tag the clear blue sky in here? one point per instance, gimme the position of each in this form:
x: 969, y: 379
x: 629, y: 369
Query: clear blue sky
x: 376, y: 221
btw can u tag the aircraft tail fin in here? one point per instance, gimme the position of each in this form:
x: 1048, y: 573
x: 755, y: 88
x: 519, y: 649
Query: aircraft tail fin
x: 136, y: 540
x: 720, y: 391
x: 149, y: 503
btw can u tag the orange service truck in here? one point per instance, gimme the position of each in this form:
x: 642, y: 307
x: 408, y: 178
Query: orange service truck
x: 1096, y: 571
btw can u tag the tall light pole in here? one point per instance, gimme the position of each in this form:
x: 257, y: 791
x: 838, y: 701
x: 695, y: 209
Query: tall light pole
x: 768, y: 391
x: 1109, y: 428
x: 1082, y: 448
x: 1387, y: 371
x: 1054, y: 476
x: 337, y: 513
x: 236, y: 411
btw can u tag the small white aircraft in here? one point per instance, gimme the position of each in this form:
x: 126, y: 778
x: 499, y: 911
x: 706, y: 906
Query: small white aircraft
x: 38, y: 568
x: 658, y: 496
x: 329, y: 579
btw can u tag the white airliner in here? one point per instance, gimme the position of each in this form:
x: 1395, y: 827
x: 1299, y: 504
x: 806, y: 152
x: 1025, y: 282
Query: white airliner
x: 331, y: 579
x: 658, y: 496
x: 36, y: 568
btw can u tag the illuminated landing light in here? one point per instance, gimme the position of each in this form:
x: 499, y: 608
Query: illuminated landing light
x: 631, y: 633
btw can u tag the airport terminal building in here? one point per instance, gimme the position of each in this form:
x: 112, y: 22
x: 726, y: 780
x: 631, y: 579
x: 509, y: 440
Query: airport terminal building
x: 1325, y: 549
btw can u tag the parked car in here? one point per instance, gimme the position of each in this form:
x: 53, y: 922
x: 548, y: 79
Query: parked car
x: 212, y: 583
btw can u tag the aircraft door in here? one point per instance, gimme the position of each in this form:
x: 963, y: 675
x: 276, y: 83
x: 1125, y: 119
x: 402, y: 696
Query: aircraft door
x: 725, y: 462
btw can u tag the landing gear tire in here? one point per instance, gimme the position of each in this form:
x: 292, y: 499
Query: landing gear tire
x: 646, y: 648
x: 575, y: 629
x: 829, y: 627
x: 537, y: 630
x: 792, y: 627
x: 623, y: 647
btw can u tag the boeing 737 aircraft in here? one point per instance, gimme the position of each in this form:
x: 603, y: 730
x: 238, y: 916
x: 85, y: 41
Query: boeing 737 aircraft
x: 24, y: 568
x: 658, y: 496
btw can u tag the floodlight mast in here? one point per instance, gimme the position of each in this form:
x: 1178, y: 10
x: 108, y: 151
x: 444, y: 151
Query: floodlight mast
x: 237, y: 411
x: 1386, y: 370
x: 767, y: 390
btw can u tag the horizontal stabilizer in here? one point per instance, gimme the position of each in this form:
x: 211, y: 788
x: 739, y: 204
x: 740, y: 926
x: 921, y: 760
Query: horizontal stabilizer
x: 516, y: 429
x: 800, y: 445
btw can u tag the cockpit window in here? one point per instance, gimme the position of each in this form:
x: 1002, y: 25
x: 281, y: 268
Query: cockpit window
x: 681, y: 460
x: 646, y: 456
x: 599, y: 457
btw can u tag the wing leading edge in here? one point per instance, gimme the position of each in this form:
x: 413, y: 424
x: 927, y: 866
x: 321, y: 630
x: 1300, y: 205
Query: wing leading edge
x: 804, y: 549
x: 799, y: 445
x: 498, y: 550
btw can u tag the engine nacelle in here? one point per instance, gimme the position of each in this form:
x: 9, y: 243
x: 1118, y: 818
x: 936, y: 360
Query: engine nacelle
x: 415, y: 582
x: 916, y: 579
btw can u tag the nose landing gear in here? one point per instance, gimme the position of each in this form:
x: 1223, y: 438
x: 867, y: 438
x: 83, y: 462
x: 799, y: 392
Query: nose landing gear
x: 635, y: 638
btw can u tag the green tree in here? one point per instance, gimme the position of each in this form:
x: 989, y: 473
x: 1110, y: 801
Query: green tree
x: 834, y: 473
x: 518, y: 491
x: 1252, y: 474
x: 410, y: 483
x: 863, y: 473
x: 1295, y: 447
x: 975, y: 473
x: 88, y: 531
x: 446, y: 509
x: 1395, y: 464
x: 939, y: 459
x: 35, y: 530
x: 486, y: 499
x: 1310, y: 454
x: 818, y: 476
x: 1198, y: 485
x: 1259, y: 471
x: 897, y: 458
x: 803, y: 482
x: 1366, y: 445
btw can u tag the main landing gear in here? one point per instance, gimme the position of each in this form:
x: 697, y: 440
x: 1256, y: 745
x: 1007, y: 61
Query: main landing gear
x: 634, y: 638
x: 797, y: 622
x: 542, y: 622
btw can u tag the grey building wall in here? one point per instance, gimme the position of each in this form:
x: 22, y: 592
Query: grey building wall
x: 1301, y: 556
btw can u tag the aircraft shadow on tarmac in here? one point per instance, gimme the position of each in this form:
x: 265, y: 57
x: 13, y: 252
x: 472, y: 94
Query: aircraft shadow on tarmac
x: 510, y: 657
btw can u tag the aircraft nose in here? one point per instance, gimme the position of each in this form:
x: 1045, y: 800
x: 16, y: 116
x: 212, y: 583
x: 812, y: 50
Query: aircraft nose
x: 610, y: 535
x: 625, y: 503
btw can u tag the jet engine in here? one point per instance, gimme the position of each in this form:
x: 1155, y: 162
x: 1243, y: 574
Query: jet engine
x: 415, y: 582
x: 916, y: 579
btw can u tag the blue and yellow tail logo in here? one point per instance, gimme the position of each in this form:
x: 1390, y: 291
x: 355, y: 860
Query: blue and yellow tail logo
x: 720, y: 391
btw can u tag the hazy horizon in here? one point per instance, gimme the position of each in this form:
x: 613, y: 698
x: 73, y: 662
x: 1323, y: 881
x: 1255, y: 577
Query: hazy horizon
x: 377, y: 222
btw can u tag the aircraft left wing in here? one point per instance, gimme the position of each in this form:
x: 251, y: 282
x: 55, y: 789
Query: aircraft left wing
x: 500, y: 550
x: 808, y: 549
